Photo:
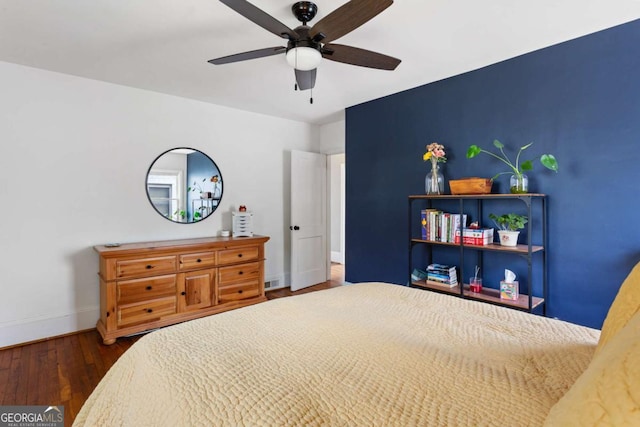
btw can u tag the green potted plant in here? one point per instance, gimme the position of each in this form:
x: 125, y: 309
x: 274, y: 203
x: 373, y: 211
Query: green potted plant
x: 509, y: 226
x: 519, y: 182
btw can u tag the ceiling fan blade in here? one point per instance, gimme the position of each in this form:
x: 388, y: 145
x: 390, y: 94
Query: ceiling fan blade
x: 347, y: 18
x: 306, y: 79
x: 260, y: 53
x: 261, y: 18
x: 356, y: 56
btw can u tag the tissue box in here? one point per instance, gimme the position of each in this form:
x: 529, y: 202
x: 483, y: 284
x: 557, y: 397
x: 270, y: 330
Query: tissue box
x: 509, y: 291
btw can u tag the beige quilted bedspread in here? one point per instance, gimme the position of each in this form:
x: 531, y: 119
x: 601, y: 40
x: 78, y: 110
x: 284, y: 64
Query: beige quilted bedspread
x: 367, y: 354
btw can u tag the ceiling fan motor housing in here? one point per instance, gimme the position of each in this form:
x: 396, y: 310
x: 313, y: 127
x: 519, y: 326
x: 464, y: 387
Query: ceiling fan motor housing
x: 304, y: 40
x: 305, y: 11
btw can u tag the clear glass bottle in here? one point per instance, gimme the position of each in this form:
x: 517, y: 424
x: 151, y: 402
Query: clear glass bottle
x: 434, y: 181
x: 519, y: 184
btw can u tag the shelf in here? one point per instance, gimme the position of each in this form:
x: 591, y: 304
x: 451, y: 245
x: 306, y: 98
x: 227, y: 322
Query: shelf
x: 493, y: 296
x: 520, y: 249
x: 487, y: 294
x: 428, y: 284
x: 475, y: 203
x: 475, y: 196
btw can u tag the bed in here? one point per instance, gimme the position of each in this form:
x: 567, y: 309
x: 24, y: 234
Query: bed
x: 370, y: 354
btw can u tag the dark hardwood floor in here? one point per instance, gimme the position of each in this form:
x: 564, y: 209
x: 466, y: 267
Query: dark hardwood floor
x: 63, y: 371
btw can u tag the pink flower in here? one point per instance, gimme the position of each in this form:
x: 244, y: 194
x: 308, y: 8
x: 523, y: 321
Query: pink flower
x: 435, y: 153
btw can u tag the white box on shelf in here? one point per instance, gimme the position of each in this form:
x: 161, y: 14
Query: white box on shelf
x: 242, y: 224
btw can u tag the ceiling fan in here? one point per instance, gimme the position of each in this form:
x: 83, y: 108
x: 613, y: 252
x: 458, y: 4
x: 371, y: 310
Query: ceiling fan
x: 308, y: 45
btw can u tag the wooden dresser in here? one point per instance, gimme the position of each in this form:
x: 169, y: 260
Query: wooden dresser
x: 147, y: 285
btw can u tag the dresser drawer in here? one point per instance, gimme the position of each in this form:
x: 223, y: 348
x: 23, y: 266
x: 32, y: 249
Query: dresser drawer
x: 238, y: 291
x: 230, y: 256
x: 197, y: 260
x: 138, y: 290
x: 146, y: 311
x: 145, y: 267
x: 238, y: 273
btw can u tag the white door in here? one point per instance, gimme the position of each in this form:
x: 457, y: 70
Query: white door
x: 308, y: 219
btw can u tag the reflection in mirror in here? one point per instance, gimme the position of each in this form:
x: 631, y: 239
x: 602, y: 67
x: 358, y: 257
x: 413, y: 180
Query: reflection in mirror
x: 184, y: 185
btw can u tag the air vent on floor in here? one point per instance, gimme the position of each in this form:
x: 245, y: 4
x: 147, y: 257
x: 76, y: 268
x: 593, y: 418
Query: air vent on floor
x: 272, y: 284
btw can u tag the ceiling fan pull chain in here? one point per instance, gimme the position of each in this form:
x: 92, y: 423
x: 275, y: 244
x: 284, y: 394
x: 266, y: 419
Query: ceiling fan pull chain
x: 311, y: 98
x: 295, y: 86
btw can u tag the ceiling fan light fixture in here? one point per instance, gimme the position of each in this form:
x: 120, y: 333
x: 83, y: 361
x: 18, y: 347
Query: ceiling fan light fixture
x: 304, y: 58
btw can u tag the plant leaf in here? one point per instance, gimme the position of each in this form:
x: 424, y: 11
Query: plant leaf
x: 549, y: 162
x: 498, y: 144
x: 526, y: 165
x: 524, y: 147
x: 473, y: 151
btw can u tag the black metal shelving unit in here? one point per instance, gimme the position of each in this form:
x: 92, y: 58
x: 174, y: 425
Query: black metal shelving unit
x: 526, y: 302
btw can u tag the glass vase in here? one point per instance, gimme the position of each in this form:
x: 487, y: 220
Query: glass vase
x: 519, y: 184
x: 434, y: 181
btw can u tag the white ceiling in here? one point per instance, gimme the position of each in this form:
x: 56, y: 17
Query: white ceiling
x: 163, y: 45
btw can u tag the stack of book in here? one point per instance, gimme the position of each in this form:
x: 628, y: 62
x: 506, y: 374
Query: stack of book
x: 438, y: 226
x: 442, y: 274
x: 475, y: 236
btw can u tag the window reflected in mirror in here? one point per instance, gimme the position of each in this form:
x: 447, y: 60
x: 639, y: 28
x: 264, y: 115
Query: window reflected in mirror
x: 184, y: 185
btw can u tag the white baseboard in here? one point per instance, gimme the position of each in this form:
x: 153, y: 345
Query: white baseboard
x: 44, y: 327
x: 337, y: 256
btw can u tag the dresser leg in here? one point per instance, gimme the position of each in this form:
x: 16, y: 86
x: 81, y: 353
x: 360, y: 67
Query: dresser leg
x: 109, y: 341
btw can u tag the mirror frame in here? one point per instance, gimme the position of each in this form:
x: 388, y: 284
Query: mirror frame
x: 188, y: 188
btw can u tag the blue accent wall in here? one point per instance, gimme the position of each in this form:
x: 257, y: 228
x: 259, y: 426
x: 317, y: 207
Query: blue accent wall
x: 579, y: 100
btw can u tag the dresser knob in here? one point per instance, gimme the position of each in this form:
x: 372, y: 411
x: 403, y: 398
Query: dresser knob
x: 198, y: 260
x: 239, y: 255
x: 148, y: 288
x: 149, y: 267
x: 240, y: 291
x: 183, y: 293
x: 240, y: 273
x: 149, y: 310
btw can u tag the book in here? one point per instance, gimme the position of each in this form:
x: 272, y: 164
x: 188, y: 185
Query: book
x: 418, y: 274
x: 426, y: 219
x: 475, y: 236
x: 444, y: 283
x: 441, y: 267
x: 443, y: 274
x: 439, y: 226
x: 448, y: 277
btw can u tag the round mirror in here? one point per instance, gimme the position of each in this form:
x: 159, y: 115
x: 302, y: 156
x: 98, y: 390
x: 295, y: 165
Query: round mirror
x: 184, y: 185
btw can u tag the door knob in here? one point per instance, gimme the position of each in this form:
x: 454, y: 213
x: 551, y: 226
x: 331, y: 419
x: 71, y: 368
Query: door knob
x: 295, y: 227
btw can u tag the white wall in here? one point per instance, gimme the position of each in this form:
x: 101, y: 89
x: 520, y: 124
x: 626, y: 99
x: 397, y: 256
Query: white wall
x: 332, y: 142
x: 74, y: 155
x: 332, y: 137
x: 336, y: 199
